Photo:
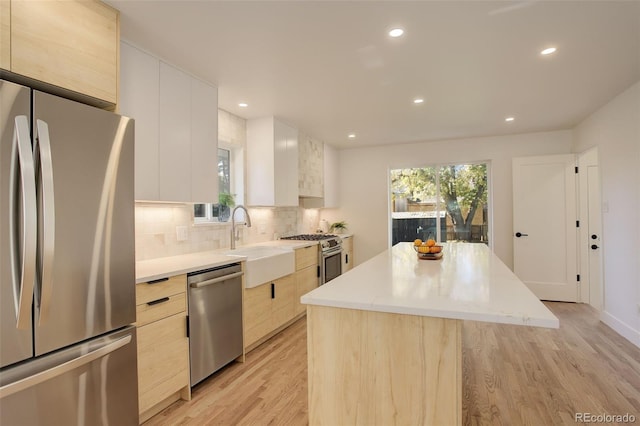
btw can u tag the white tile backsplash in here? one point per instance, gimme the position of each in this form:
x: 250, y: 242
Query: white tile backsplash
x: 156, y: 224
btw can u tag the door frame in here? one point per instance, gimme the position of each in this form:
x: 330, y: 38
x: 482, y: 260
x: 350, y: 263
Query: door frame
x: 591, y: 290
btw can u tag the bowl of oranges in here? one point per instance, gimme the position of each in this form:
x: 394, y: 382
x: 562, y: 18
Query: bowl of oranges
x: 427, y: 249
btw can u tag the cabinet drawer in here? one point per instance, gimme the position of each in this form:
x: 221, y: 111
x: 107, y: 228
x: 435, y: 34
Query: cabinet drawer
x: 163, y: 360
x: 306, y: 257
x: 148, y: 292
x: 160, y: 308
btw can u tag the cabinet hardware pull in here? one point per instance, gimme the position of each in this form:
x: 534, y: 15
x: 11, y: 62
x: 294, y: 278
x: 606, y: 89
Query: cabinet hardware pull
x: 273, y: 291
x: 159, y: 280
x: 155, y: 302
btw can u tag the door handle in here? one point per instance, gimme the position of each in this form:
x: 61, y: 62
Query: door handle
x: 23, y: 265
x: 520, y: 234
x: 216, y: 280
x: 593, y: 247
x: 44, y: 166
x: 61, y: 369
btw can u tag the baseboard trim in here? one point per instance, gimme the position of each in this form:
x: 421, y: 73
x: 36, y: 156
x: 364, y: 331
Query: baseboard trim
x: 620, y: 327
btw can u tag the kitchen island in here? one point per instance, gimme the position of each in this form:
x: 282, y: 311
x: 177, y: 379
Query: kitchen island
x: 384, y: 340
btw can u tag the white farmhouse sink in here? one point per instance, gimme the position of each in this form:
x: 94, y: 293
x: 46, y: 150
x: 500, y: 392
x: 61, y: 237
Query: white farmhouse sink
x: 265, y: 263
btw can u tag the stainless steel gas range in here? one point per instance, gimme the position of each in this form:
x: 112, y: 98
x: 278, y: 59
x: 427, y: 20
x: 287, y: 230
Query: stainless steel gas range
x: 329, y: 255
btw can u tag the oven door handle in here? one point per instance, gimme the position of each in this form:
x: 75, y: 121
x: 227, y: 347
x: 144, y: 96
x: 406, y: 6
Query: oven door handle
x: 331, y: 252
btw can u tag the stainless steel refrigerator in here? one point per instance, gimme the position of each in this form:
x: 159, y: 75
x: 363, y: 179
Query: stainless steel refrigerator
x: 67, y: 263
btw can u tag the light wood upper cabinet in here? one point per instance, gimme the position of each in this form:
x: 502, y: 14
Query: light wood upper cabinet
x: 71, y: 45
x: 272, y: 163
x: 176, y: 129
x: 5, y: 35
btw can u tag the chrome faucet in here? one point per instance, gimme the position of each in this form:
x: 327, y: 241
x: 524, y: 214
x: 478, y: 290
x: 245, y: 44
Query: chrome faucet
x: 233, y: 224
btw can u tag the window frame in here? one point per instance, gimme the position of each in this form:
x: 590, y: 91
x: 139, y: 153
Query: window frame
x: 210, y: 217
x: 438, y: 166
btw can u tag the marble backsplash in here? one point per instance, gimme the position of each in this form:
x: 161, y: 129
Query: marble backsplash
x: 158, y: 227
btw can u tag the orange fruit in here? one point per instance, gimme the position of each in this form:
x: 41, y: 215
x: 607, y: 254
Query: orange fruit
x: 431, y: 242
x: 417, y: 242
x: 423, y: 249
x: 435, y: 249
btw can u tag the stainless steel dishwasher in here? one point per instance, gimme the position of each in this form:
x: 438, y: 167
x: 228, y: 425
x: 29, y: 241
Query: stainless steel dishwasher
x: 215, y: 319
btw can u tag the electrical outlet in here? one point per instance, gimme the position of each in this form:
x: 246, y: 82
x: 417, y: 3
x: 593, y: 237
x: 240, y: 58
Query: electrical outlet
x: 182, y: 233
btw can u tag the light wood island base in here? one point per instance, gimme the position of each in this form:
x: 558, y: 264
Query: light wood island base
x: 368, y: 368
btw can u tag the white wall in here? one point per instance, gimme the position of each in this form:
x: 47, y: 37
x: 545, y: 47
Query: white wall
x: 615, y: 130
x: 364, y: 191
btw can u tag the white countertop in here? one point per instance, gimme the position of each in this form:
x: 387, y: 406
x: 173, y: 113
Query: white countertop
x: 469, y: 283
x: 149, y: 270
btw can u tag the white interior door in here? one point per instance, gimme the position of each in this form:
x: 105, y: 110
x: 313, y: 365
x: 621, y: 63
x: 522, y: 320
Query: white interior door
x: 544, y: 225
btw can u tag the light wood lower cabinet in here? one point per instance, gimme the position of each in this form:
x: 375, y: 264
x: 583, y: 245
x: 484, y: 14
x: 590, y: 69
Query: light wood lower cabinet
x: 272, y: 306
x: 307, y: 274
x: 163, y: 345
x: 347, y: 253
x: 267, y: 307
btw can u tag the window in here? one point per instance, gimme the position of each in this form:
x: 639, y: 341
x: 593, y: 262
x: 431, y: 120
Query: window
x: 212, y: 212
x: 443, y: 202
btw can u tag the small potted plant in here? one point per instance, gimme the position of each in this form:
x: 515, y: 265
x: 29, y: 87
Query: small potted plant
x: 338, y: 227
x: 225, y: 202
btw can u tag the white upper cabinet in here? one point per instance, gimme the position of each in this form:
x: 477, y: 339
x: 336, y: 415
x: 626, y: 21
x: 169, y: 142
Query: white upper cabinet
x: 176, y: 121
x: 175, y: 135
x: 272, y: 163
x: 139, y: 99
x: 204, y: 142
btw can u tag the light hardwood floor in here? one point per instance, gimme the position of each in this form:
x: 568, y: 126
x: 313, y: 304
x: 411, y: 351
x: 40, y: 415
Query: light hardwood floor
x: 512, y: 375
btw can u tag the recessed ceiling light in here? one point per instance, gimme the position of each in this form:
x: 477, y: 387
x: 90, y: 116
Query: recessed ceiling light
x: 243, y: 105
x: 548, y: 51
x: 351, y: 136
x: 509, y: 119
x: 396, y: 32
x: 418, y: 101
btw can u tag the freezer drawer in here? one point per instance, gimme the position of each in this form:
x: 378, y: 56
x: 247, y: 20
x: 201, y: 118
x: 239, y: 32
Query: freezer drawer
x: 93, y: 383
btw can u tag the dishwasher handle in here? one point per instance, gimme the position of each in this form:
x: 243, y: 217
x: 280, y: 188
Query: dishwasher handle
x: 216, y: 280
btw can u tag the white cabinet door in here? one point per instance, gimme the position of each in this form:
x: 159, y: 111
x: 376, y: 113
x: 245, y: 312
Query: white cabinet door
x: 175, y: 134
x: 139, y: 99
x: 204, y: 142
x: 260, y: 162
x: 272, y: 163
x: 286, y: 165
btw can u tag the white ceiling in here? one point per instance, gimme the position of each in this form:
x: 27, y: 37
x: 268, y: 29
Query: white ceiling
x: 329, y: 67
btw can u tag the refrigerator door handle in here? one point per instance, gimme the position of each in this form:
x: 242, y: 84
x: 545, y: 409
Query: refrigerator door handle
x: 23, y: 262
x: 61, y: 369
x: 44, y: 166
